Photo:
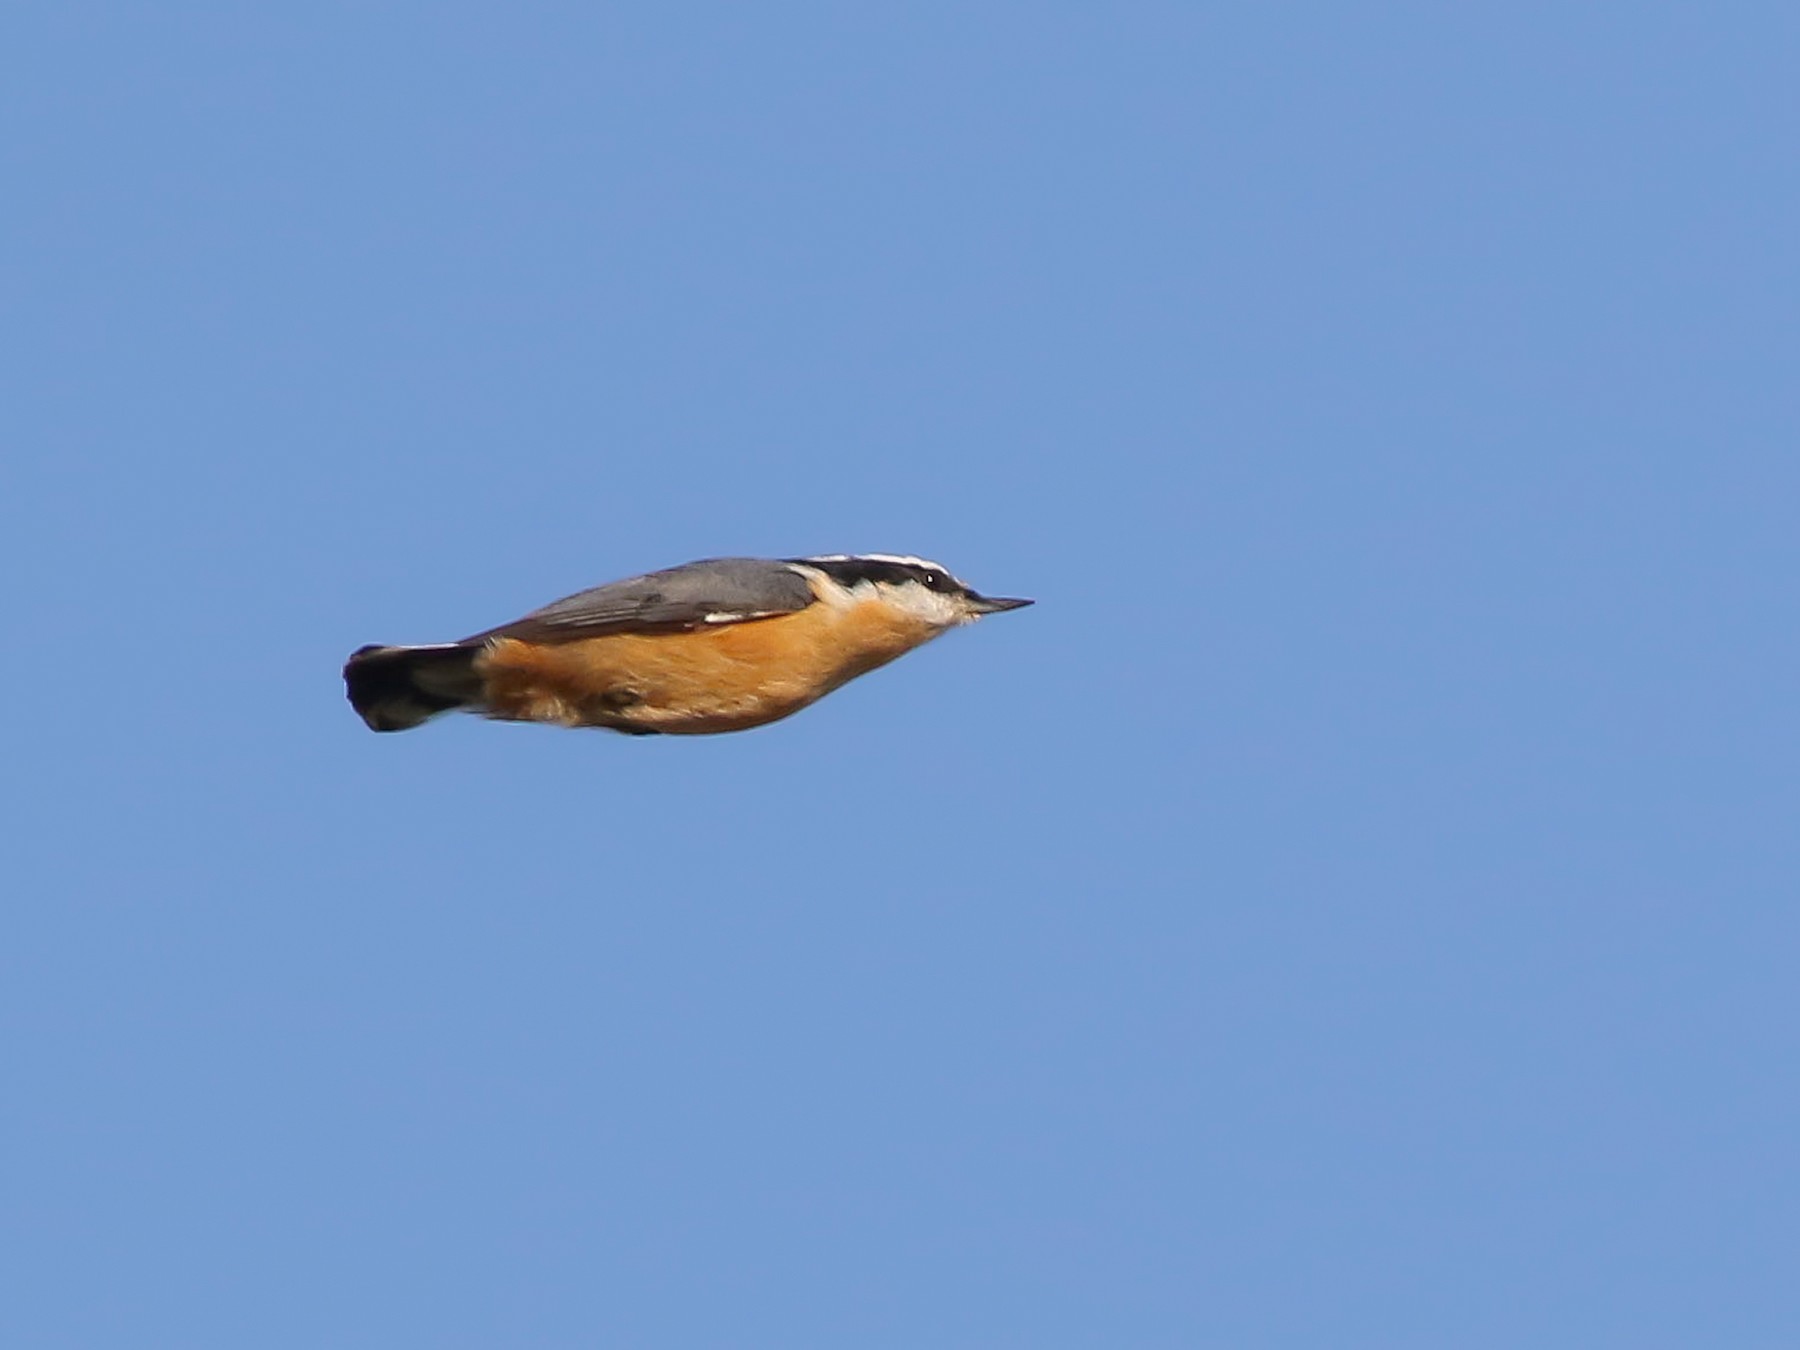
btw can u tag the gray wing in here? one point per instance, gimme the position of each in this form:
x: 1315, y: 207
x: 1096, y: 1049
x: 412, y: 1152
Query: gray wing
x: 694, y: 595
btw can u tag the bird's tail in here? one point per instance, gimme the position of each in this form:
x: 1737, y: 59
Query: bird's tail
x: 394, y: 688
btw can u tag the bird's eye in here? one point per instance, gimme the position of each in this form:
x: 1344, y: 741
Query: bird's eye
x: 937, y: 581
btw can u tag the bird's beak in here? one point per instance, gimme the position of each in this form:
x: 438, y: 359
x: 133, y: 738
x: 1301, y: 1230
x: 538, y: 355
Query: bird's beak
x: 987, y: 604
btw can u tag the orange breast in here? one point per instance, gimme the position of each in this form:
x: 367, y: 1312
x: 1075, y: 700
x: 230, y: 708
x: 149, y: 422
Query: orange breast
x: 724, y: 678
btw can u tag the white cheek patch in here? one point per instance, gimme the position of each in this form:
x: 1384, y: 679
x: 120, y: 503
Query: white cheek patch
x: 940, y: 610
x: 829, y: 589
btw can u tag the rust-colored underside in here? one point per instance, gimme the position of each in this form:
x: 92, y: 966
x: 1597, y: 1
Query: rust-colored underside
x: 712, y: 679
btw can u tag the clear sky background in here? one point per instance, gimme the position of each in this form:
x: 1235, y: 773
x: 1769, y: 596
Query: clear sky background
x: 1355, y: 907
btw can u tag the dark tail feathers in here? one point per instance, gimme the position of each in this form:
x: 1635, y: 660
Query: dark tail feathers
x: 393, y: 688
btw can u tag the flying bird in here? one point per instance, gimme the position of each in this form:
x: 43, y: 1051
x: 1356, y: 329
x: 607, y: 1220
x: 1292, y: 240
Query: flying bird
x: 720, y: 645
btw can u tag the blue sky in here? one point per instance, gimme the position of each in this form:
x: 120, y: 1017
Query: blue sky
x: 1356, y: 906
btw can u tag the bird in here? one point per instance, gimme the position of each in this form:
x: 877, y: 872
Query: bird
x: 719, y: 645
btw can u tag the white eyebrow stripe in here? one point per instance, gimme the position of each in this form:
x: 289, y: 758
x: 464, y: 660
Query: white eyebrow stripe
x: 904, y: 559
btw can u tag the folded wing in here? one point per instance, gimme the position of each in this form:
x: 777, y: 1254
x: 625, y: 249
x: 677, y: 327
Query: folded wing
x: 677, y: 599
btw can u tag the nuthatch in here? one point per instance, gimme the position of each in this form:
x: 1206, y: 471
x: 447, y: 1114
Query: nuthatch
x: 720, y: 645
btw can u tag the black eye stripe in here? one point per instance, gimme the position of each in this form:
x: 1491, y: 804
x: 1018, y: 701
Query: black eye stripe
x: 849, y: 571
